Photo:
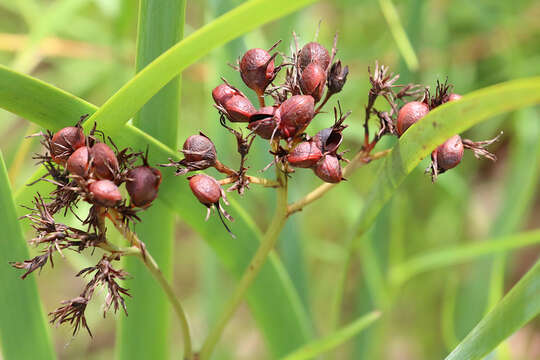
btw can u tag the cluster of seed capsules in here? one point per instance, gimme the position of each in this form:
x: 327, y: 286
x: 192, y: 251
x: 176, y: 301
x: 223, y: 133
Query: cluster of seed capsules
x: 311, y: 77
x: 98, y: 171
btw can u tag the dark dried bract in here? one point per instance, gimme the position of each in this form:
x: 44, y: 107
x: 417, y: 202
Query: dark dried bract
x: 337, y: 77
x: 72, y: 312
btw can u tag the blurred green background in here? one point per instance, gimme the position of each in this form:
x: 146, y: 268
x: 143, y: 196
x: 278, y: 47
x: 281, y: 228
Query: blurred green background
x: 88, y: 48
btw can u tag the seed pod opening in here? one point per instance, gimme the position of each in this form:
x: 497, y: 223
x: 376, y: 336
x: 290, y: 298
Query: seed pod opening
x: 337, y: 77
x: 328, y: 140
x: 305, y: 155
x: 313, y: 52
x: 205, y: 188
x: 78, y: 162
x: 409, y: 114
x: 238, y: 108
x: 105, y: 193
x: 328, y: 169
x: 199, y: 148
x: 313, y: 80
x: 295, y: 114
x: 65, y: 142
x: 262, y: 122
x: 450, y: 153
x: 257, y: 69
x: 143, y: 185
x: 105, y: 163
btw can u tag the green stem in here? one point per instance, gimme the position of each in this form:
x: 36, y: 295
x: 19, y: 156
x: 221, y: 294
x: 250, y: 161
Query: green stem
x: 267, y: 244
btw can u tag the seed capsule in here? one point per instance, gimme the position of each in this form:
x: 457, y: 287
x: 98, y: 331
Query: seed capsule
x: 454, y: 96
x: 143, y: 185
x: 337, y: 77
x: 328, y: 140
x: 314, y: 52
x: 328, y: 169
x: 105, y: 193
x: 199, y: 148
x: 77, y: 164
x: 304, y: 155
x: 205, y: 188
x: 257, y: 69
x: 65, y: 142
x: 105, y: 163
x: 238, y: 108
x: 263, y: 122
x: 409, y: 114
x: 295, y: 114
x: 450, y: 153
x: 223, y: 92
x: 313, y: 80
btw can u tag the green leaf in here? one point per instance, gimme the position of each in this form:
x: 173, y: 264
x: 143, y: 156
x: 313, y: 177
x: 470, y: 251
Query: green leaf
x: 320, y: 346
x: 517, y: 308
x: 142, y: 336
x: 24, y: 332
x: 272, y: 298
x: 460, y: 254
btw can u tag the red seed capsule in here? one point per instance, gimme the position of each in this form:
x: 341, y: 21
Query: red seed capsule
x: 199, y: 148
x: 450, y: 153
x: 313, y: 80
x: 328, y: 169
x: 222, y: 93
x: 143, y: 185
x: 105, y: 193
x: 77, y: 164
x: 304, y: 155
x: 105, y: 163
x: 454, y: 96
x: 263, y: 122
x: 295, y: 114
x: 65, y: 142
x: 257, y: 69
x: 409, y: 114
x: 314, y: 52
x: 239, y: 108
x: 205, y: 188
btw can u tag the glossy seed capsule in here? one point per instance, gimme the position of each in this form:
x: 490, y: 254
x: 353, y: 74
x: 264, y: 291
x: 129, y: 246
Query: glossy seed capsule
x: 305, y: 155
x: 77, y: 164
x: 239, y: 108
x: 257, y: 69
x: 199, y: 148
x: 450, y: 153
x: 205, y: 188
x: 295, y: 114
x: 409, y: 114
x: 313, y: 52
x: 105, y: 163
x: 328, y: 169
x: 454, y: 96
x: 143, y: 185
x: 65, y: 142
x: 222, y: 93
x: 105, y: 193
x: 313, y: 80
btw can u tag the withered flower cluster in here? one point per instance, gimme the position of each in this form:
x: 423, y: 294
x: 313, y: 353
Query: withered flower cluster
x: 85, y: 168
x: 310, y: 76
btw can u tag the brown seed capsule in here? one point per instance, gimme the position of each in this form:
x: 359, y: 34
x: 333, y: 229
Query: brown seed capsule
x: 454, y: 96
x: 143, y: 185
x: 262, y: 122
x: 205, y: 188
x: 409, y: 114
x: 450, y: 153
x: 105, y: 163
x: 238, y: 108
x: 65, y: 142
x: 77, y: 164
x: 304, y: 155
x: 222, y: 93
x: 313, y: 80
x: 257, y: 69
x: 105, y: 193
x: 295, y: 114
x: 314, y: 52
x: 199, y: 148
x: 328, y: 169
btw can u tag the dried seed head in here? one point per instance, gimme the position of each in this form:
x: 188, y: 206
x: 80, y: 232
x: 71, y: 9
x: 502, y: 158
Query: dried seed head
x: 257, y: 69
x: 65, y: 142
x: 328, y: 140
x: 450, y: 153
x: 105, y: 163
x: 205, y: 188
x: 78, y: 162
x: 199, y: 148
x: 337, y: 77
x: 238, y: 108
x: 295, y: 114
x: 105, y: 193
x: 143, y: 185
x: 409, y: 114
x: 305, y: 155
x: 312, y: 81
x: 328, y: 169
x: 223, y: 92
x: 262, y: 122
x: 314, y: 52
x: 454, y: 96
